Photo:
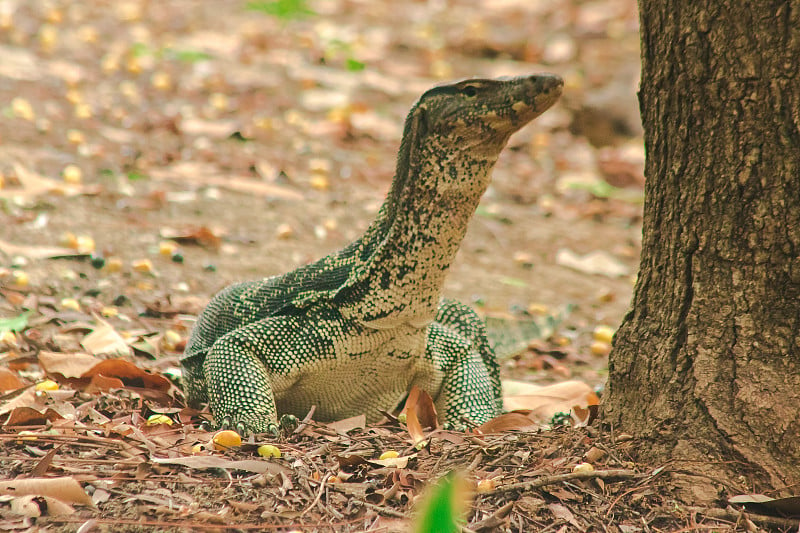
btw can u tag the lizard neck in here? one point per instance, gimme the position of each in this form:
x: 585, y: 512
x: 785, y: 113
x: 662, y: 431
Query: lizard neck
x: 418, y: 231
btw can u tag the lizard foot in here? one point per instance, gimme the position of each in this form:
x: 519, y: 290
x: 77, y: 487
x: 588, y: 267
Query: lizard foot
x: 247, y: 427
x: 288, y: 423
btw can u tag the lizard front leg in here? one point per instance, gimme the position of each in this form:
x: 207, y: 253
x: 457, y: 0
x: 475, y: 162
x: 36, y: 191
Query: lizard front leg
x: 467, y: 389
x: 239, y: 384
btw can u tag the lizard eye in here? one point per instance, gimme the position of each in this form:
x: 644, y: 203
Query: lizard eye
x: 470, y: 91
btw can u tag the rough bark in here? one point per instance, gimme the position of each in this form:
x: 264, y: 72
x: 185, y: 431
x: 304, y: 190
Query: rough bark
x: 706, y: 366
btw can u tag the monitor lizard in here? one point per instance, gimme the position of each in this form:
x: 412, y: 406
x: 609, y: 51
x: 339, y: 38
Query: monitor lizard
x: 352, y: 332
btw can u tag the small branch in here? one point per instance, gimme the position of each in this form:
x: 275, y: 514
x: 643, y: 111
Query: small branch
x: 385, y: 511
x: 735, y: 515
x: 552, y: 480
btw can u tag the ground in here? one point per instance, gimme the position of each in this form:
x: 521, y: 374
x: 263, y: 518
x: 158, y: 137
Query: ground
x: 153, y: 152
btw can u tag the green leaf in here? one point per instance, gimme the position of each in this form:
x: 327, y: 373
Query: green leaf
x: 442, y: 507
x: 513, y: 282
x: 282, y: 9
x: 136, y: 176
x: 354, y: 65
x: 190, y: 56
x: 141, y: 50
x: 602, y: 189
x: 18, y: 323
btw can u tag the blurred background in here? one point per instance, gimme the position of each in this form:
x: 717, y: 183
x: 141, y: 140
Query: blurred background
x: 152, y: 152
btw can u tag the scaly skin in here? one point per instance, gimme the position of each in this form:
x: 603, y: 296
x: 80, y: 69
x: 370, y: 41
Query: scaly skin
x: 354, y: 331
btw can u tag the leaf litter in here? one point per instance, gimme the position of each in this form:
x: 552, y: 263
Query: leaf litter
x: 209, y: 129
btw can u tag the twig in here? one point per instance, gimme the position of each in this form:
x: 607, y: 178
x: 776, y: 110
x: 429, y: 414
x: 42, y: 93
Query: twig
x: 304, y: 422
x: 317, y: 497
x: 559, y: 478
x: 735, y: 515
x: 384, y: 510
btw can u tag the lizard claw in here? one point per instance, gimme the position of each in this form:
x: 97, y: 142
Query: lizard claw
x: 247, y: 427
x: 288, y: 423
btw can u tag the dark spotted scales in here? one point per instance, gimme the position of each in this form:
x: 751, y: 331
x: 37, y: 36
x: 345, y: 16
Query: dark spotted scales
x: 353, y: 331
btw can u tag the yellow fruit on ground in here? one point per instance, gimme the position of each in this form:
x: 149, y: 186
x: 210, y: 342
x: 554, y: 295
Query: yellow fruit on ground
x: 47, y: 384
x: 389, y: 454
x: 156, y: 420
x: 72, y: 174
x: 21, y: 278
x: 485, y: 485
x: 114, y: 264
x: 144, y: 266
x: 85, y: 244
x: 226, y: 439
x: 167, y: 248
x: 171, y: 339
x: 22, y: 108
x: 70, y: 303
x: 603, y: 334
x: 600, y: 349
x: 268, y: 450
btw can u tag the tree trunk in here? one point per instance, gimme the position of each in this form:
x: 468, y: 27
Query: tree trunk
x: 706, y: 366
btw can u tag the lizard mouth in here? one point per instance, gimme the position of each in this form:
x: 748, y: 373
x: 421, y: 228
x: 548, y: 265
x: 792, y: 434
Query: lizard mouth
x: 539, y: 93
x: 530, y: 97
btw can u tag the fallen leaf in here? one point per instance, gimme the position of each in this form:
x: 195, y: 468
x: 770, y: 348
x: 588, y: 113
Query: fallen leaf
x: 201, y: 174
x: 63, y: 488
x: 34, y: 506
x: 38, y: 252
x: 130, y: 374
x: 419, y: 411
x: 215, y: 129
x: 200, y: 235
x: 28, y: 416
x: 583, y: 417
x: 789, y: 506
x: 395, y: 462
x: 9, y: 380
x: 69, y: 365
x: 349, y: 424
x: 105, y: 340
x: 597, y: 262
x: 203, y: 462
x: 17, y: 323
x: 563, y: 513
x: 515, y: 420
x: 545, y: 401
x: 350, y: 461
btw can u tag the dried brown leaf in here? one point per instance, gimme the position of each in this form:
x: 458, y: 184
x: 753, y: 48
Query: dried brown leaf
x: 37, y: 252
x: 787, y: 506
x: 514, y: 420
x: 28, y: 416
x: 105, y: 340
x: 26, y: 398
x: 349, y: 424
x: 69, y: 365
x: 203, y: 174
x: 596, y: 262
x: 413, y: 424
x: 130, y: 374
x: 34, y: 506
x: 9, y: 380
x: 396, y: 462
x: 203, y: 462
x: 200, y: 235
x: 562, y: 512
x: 545, y: 401
x: 66, y: 489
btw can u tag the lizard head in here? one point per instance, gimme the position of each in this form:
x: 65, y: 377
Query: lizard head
x: 483, y: 113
